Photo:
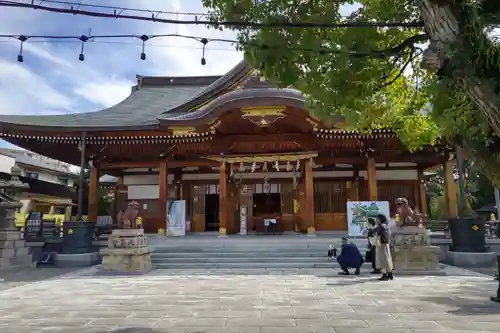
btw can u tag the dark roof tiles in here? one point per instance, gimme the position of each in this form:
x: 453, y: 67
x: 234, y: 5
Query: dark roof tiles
x: 141, y: 108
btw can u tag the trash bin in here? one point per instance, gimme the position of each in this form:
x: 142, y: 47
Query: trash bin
x: 467, y: 234
x: 78, y: 237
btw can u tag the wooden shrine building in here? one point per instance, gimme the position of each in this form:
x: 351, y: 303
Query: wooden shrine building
x: 223, y: 142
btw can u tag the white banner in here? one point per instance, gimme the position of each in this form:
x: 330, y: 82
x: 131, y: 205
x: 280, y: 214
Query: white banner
x: 358, y: 213
x: 176, y: 218
x: 243, y: 220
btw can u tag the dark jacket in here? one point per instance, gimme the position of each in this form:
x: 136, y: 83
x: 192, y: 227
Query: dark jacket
x: 350, y: 256
x: 371, y: 233
x: 383, y: 232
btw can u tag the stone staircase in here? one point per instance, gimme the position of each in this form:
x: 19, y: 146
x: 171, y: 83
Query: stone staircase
x: 242, y: 252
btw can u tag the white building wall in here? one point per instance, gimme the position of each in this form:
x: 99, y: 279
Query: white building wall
x: 6, y: 163
x: 147, y: 186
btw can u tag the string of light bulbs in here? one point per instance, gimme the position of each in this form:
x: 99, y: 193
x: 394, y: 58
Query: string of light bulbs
x: 67, y: 8
x: 83, y: 39
x: 109, y: 42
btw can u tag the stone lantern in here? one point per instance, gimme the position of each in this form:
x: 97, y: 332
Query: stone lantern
x: 12, y: 249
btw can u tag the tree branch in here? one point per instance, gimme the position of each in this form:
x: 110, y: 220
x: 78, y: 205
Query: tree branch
x: 400, y: 72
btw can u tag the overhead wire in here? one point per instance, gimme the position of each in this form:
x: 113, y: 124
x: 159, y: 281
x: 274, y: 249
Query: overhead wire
x: 119, y: 13
x: 118, y: 8
x: 204, y: 42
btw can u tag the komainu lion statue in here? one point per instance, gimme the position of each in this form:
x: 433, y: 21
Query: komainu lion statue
x: 406, y: 214
x: 128, y: 219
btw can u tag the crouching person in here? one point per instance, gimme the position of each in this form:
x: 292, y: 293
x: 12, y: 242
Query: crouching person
x: 349, y: 257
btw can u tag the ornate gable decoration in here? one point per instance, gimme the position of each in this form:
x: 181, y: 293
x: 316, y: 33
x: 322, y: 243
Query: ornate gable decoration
x: 263, y: 116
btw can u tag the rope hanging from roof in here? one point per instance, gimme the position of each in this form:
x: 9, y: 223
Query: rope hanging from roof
x: 272, y: 158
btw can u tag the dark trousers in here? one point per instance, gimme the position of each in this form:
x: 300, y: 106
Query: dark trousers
x: 374, y: 258
x: 346, y: 267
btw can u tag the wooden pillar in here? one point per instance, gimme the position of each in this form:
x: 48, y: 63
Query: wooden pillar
x: 422, y: 195
x: 93, y: 199
x: 163, y: 192
x: 309, y: 193
x: 353, y: 188
x: 223, y: 199
x: 450, y: 190
x: 371, y: 171
x: 118, y: 185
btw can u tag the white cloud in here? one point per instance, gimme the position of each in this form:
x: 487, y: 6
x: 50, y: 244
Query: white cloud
x: 22, y: 91
x: 52, y: 80
x: 105, y: 94
x: 106, y: 76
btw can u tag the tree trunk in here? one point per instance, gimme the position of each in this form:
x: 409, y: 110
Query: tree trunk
x: 443, y: 30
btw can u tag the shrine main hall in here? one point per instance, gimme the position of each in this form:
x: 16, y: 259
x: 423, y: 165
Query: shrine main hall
x: 222, y: 143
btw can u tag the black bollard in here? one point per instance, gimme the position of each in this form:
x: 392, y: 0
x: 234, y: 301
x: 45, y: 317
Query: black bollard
x: 498, y: 268
x: 497, y: 297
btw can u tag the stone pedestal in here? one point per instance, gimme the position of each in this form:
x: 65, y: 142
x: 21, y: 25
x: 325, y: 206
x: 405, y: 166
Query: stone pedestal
x: 412, y: 250
x: 127, y: 252
x: 12, y: 250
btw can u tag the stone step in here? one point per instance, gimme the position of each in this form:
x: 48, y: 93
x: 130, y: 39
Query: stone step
x: 249, y: 254
x: 244, y: 265
x: 241, y: 259
x: 257, y: 249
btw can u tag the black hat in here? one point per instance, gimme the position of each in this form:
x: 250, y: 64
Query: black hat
x: 381, y: 218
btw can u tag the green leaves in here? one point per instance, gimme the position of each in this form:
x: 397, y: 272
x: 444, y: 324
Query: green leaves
x: 369, y: 89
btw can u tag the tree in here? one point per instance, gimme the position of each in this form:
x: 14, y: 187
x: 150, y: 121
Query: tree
x: 381, y: 77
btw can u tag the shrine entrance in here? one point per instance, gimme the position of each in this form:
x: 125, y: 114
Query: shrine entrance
x: 212, y: 212
x: 267, y: 205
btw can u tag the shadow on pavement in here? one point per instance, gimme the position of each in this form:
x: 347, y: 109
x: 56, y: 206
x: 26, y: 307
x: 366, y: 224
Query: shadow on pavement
x: 135, y: 330
x: 18, y: 276
x: 469, y: 300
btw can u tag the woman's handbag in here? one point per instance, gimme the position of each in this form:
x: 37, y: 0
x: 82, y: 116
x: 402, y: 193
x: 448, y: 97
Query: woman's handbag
x: 375, y: 241
x: 369, y: 255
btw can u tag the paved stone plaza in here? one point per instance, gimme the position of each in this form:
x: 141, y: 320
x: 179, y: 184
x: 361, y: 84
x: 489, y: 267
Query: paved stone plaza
x: 251, y: 301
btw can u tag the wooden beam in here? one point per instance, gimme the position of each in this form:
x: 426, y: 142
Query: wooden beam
x: 371, y: 171
x: 450, y: 190
x: 223, y: 199
x: 309, y: 193
x: 93, y: 199
x: 156, y: 164
x: 163, y: 181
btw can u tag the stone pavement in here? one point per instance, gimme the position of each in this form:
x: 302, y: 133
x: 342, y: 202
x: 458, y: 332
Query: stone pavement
x: 251, y: 301
x: 18, y: 276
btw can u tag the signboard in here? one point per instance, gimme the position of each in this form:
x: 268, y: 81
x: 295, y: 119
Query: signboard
x: 176, y: 217
x: 358, y: 213
x: 243, y: 220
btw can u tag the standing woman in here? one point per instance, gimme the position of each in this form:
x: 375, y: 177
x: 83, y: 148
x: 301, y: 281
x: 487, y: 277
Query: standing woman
x: 371, y: 254
x: 383, y: 255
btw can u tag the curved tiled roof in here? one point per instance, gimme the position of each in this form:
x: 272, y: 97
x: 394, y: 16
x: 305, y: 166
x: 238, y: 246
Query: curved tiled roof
x: 291, y: 96
x: 150, y: 99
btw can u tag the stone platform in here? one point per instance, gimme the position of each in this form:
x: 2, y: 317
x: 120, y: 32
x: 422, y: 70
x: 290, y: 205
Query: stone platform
x: 13, y: 252
x: 412, y: 250
x: 127, y: 252
x: 77, y: 259
x: 471, y: 259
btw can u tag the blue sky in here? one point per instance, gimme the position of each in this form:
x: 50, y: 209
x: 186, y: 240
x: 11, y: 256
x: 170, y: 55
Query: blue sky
x: 52, y: 80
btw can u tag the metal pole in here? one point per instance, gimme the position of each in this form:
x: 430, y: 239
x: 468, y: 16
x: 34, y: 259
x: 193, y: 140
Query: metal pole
x: 81, y: 185
x: 497, y: 202
x: 461, y: 180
